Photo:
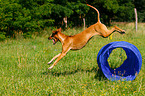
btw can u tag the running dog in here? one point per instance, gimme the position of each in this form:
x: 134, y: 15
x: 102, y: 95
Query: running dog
x: 78, y: 41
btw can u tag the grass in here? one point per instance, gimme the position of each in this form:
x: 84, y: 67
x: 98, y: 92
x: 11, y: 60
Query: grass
x: 23, y: 67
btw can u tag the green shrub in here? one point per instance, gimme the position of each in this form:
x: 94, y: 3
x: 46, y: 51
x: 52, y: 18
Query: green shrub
x: 2, y: 36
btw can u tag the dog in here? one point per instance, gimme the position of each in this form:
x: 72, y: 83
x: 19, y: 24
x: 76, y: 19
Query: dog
x: 79, y: 40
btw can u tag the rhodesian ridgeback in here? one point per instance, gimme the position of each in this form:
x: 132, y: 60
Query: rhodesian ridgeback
x: 79, y: 40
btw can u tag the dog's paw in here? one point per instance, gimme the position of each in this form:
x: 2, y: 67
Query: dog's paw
x: 50, y: 67
x: 49, y: 62
x: 122, y: 32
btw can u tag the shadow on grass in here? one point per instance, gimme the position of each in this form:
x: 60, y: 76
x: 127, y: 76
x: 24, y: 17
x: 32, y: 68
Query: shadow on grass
x: 99, y: 74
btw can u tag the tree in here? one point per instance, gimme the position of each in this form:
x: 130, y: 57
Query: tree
x: 30, y: 16
x: 126, y: 11
x: 10, y: 14
x: 116, y: 10
x: 80, y: 10
x: 140, y: 5
x: 70, y: 9
x: 24, y: 15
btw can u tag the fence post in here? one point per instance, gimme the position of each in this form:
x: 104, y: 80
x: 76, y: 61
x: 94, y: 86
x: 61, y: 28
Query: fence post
x: 65, y: 21
x: 136, y: 20
x: 84, y: 23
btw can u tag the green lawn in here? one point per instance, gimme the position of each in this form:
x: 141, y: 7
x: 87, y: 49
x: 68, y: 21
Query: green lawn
x: 24, y: 70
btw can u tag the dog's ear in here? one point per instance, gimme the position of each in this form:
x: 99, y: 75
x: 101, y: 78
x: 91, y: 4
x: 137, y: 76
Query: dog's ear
x: 59, y: 29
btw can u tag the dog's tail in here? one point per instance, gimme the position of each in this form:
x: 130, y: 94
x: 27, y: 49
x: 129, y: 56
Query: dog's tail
x: 97, y: 12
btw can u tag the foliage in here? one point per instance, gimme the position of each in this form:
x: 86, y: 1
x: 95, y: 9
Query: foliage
x: 140, y: 5
x: 31, y: 16
x: 115, y: 10
x: 26, y: 16
x: 2, y: 36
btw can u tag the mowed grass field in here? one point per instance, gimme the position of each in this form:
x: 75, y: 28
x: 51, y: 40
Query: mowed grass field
x: 24, y: 70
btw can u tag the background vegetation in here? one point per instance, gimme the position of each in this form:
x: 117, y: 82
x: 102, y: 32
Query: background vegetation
x: 28, y: 16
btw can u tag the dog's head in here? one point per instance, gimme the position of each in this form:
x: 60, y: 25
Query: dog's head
x: 54, y: 36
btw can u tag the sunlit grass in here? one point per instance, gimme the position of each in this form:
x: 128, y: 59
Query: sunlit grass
x: 24, y: 69
x: 116, y: 58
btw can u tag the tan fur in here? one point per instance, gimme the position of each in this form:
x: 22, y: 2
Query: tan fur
x: 79, y: 40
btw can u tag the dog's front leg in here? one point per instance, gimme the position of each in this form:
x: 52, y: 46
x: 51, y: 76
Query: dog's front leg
x: 60, y: 56
x: 54, y: 58
x: 64, y: 51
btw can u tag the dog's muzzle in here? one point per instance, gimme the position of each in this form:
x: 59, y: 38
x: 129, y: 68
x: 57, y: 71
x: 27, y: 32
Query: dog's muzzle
x: 53, y: 39
x: 49, y: 38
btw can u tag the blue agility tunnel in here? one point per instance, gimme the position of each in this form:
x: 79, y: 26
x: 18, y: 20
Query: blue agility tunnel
x: 130, y: 67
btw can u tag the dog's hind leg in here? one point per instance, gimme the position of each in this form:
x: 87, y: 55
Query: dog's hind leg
x: 106, y: 32
x: 53, y: 58
x: 119, y: 30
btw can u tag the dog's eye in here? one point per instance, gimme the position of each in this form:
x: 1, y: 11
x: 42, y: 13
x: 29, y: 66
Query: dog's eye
x: 54, y: 33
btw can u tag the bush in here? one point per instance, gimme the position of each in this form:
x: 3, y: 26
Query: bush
x: 2, y: 36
